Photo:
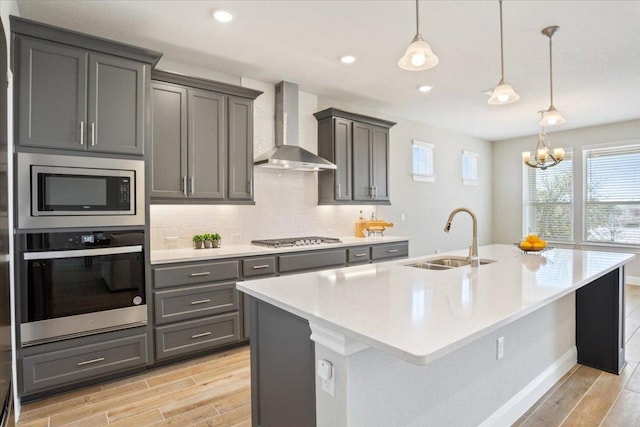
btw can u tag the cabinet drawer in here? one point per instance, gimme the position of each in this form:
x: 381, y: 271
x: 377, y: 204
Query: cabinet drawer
x: 196, y: 335
x: 392, y: 250
x: 262, y: 266
x: 165, y: 277
x: 194, y: 301
x: 312, y: 260
x: 359, y: 254
x: 57, y: 368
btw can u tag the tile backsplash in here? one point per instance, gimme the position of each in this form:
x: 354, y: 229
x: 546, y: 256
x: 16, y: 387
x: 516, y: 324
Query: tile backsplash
x: 286, y: 206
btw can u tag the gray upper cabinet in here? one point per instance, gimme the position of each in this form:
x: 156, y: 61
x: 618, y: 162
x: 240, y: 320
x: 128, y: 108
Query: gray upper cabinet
x: 202, y: 140
x: 116, y: 105
x: 359, y: 146
x: 78, y: 92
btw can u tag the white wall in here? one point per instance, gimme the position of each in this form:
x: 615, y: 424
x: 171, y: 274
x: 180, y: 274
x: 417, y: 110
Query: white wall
x: 507, y: 176
x: 426, y: 206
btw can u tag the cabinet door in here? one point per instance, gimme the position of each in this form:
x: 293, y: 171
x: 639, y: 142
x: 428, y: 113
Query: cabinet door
x: 240, y: 149
x: 362, y: 135
x: 168, y: 141
x: 342, y: 158
x: 116, y: 105
x: 52, y: 93
x: 206, y: 148
x: 380, y: 163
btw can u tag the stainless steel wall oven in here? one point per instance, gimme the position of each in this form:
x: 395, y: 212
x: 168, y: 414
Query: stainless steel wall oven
x: 71, y: 191
x: 78, y: 283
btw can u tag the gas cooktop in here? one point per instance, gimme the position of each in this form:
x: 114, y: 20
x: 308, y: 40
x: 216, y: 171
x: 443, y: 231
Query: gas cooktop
x: 295, y: 241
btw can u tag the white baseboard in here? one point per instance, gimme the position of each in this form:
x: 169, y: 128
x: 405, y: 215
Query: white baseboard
x: 509, y: 413
x: 632, y: 280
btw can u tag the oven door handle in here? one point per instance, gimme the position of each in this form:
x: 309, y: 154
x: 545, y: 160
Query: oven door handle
x: 82, y: 253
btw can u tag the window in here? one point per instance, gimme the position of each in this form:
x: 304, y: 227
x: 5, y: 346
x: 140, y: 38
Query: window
x: 423, y: 161
x: 548, y: 200
x: 612, y: 195
x: 470, y: 168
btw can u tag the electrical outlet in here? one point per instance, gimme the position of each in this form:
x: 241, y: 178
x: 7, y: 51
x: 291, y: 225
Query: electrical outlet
x: 326, y: 374
x: 500, y: 348
x: 402, y: 217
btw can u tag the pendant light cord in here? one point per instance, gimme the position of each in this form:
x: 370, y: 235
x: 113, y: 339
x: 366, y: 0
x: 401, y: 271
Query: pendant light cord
x: 550, y: 71
x: 417, y: 19
x: 501, y: 46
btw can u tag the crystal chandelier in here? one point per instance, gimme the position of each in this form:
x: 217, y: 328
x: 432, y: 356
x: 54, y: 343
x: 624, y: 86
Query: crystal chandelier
x: 543, y: 157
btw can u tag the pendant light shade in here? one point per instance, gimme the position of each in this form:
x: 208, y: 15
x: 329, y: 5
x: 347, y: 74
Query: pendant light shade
x: 551, y: 117
x: 418, y: 55
x: 503, y: 92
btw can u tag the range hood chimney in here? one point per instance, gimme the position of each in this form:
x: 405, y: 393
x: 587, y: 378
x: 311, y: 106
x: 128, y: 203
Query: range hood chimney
x: 287, y: 154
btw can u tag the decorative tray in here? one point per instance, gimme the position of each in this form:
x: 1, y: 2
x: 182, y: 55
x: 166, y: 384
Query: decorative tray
x: 532, y: 251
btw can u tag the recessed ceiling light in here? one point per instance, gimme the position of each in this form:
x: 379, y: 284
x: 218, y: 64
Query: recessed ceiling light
x: 222, y: 15
x: 347, y: 59
x: 425, y: 88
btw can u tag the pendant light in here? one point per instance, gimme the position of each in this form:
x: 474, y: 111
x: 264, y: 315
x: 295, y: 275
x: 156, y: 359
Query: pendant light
x: 544, y: 157
x: 503, y: 93
x: 418, y: 55
x: 551, y: 116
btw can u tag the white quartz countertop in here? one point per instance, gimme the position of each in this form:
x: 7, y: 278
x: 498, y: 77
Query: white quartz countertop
x: 420, y: 315
x: 185, y: 255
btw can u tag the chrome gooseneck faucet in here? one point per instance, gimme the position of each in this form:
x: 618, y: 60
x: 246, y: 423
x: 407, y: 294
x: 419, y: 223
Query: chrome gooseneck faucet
x: 473, y: 249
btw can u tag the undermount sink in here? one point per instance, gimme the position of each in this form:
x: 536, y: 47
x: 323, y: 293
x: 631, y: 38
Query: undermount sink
x: 445, y: 263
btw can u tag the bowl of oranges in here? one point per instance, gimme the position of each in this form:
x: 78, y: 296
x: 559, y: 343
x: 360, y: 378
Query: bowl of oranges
x: 532, y: 243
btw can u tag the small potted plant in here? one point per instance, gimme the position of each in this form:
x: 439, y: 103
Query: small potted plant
x: 217, y: 240
x: 198, y: 241
x: 208, y: 240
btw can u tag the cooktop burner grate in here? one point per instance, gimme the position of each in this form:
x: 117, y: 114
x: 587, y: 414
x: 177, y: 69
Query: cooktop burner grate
x: 295, y: 241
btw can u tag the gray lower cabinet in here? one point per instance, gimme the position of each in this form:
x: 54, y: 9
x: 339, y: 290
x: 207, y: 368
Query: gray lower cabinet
x: 196, y: 307
x: 77, y: 99
x: 196, y: 335
x: 359, y: 147
x: 389, y: 251
x: 202, y: 140
x: 314, y: 260
x: 359, y: 254
x: 51, y: 366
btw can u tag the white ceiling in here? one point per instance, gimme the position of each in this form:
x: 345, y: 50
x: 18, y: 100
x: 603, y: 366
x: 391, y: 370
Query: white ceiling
x: 596, y: 52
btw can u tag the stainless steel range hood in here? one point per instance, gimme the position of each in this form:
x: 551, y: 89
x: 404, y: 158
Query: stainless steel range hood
x: 287, y: 154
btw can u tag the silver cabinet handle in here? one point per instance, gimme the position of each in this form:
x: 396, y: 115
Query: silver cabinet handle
x: 204, y: 273
x: 359, y: 255
x: 392, y: 251
x: 184, y: 185
x: 259, y: 267
x: 88, y: 362
x: 82, y: 253
x: 93, y: 134
x: 193, y: 184
x: 339, y: 190
x: 81, y: 132
x: 202, y: 301
x: 204, y: 334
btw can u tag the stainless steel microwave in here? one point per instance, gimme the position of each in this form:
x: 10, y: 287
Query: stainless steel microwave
x: 57, y: 191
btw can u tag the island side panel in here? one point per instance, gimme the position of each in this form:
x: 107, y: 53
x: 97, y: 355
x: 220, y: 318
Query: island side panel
x: 282, y: 368
x: 600, y: 323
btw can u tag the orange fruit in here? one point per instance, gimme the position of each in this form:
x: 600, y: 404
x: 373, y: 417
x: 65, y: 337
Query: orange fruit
x: 532, y: 238
x: 526, y: 245
x: 537, y: 246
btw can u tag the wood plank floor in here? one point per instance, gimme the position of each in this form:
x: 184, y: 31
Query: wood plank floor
x: 215, y: 391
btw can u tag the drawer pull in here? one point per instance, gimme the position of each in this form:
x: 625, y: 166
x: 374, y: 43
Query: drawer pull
x: 202, y: 301
x: 392, y: 251
x: 88, y: 362
x: 260, y: 267
x: 359, y: 255
x: 204, y: 334
x: 204, y: 273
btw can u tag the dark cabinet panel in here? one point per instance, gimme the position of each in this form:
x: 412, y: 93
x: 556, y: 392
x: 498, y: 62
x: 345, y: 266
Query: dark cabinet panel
x: 389, y: 251
x: 206, y: 152
x: 312, y: 260
x: 259, y: 266
x: 169, y: 133
x: 76, y: 99
x: 193, y: 302
x: 240, y: 149
x: 165, y: 277
x: 116, y: 105
x: 52, y: 95
x: 359, y: 146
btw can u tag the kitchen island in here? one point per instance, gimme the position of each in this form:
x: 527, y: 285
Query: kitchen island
x: 407, y: 346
